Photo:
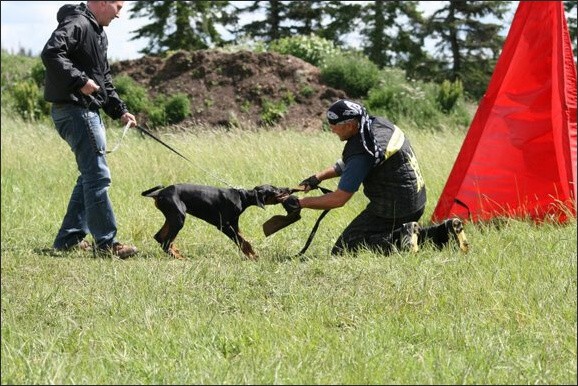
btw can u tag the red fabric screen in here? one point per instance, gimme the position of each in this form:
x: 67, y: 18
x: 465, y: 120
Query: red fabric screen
x: 519, y: 156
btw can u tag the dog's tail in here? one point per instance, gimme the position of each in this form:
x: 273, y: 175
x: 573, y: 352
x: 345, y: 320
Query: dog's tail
x: 152, y: 192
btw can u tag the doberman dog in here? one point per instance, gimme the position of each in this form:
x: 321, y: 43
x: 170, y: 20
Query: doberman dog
x: 220, y: 207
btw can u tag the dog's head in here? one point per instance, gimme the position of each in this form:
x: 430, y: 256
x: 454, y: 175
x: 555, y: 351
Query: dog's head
x: 269, y: 194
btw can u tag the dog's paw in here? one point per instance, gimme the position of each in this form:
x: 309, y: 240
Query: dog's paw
x: 175, y: 253
x: 248, y: 251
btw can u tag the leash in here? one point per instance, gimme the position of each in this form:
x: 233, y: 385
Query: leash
x: 120, y: 140
x: 315, y: 227
x: 147, y: 132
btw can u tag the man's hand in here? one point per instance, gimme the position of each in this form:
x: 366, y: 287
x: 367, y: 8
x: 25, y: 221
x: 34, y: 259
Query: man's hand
x: 89, y: 87
x: 128, y: 117
x: 310, y: 183
x: 291, y: 203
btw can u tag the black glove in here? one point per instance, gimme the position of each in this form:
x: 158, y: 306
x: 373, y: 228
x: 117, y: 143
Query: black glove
x: 311, y: 182
x: 291, y: 204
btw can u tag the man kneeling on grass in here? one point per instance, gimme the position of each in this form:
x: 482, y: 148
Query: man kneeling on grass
x: 378, y: 155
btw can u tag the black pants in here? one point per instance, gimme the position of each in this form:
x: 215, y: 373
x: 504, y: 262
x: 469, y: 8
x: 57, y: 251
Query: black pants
x: 382, y: 235
x: 372, y: 232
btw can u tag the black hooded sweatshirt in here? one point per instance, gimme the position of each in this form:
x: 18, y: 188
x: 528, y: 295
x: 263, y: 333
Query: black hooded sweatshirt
x: 75, y: 52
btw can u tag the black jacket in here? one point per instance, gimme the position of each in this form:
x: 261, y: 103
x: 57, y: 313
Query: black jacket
x: 395, y: 188
x: 75, y: 52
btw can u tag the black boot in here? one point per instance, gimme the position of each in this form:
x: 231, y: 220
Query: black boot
x: 441, y: 234
x: 408, y: 236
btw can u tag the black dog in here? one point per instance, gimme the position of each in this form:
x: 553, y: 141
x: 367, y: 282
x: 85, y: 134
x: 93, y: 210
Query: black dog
x: 220, y: 207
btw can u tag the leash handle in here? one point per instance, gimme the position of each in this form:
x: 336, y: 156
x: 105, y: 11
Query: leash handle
x: 121, y: 138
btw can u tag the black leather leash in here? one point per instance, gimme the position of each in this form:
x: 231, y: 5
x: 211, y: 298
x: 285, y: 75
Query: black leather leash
x: 145, y: 131
x: 314, y: 230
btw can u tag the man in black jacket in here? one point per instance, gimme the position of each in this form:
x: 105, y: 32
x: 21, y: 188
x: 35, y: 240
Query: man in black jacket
x: 378, y: 155
x: 79, y: 84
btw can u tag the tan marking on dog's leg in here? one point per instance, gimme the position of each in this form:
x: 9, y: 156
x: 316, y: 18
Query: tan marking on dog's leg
x: 247, y: 248
x: 174, y: 252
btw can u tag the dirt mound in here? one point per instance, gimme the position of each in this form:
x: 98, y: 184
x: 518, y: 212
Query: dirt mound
x: 237, y: 89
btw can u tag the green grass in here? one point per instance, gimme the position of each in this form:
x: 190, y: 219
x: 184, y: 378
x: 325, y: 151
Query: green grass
x: 503, y: 314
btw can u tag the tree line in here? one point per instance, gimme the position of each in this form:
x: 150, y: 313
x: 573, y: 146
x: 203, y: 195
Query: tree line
x: 466, y: 35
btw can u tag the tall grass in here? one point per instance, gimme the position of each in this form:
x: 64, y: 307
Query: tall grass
x: 503, y: 314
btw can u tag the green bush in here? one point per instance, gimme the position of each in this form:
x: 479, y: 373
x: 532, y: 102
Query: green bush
x: 399, y: 99
x: 312, y: 49
x: 167, y: 111
x: 134, y: 95
x: 306, y: 91
x: 29, y: 101
x: 16, y: 68
x: 352, y: 72
x: 157, y: 117
x: 273, y: 111
x: 415, y: 102
x: 177, y: 108
x: 17, y: 72
x: 448, y: 95
x: 164, y: 111
x: 37, y: 73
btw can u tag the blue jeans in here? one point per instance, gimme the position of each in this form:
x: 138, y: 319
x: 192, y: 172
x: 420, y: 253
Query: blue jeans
x: 89, y: 208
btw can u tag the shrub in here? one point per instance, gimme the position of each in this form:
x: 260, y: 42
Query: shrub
x: 19, y: 73
x: 312, y: 49
x: 401, y: 99
x: 306, y: 91
x: 37, y: 73
x: 353, y: 73
x: 177, y: 108
x: 29, y: 102
x: 157, y: 115
x: 417, y: 102
x: 448, y: 95
x: 167, y: 111
x: 134, y: 95
x: 16, y: 68
x: 273, y: 111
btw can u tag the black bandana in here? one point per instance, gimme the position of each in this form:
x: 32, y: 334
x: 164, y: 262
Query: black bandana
x: 343, y: 110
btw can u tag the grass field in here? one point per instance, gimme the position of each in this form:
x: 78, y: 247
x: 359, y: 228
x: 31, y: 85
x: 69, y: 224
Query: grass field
x: 503, y: 314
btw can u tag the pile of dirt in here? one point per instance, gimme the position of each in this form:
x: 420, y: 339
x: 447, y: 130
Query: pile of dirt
x: 237, y: 89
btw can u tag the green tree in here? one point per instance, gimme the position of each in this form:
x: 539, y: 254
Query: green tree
x: 268, y: 29
x: 305, y: 17
x: 468, y: 41
x: 393, y: 33
x: 175, y: 25
x: 330, y: 20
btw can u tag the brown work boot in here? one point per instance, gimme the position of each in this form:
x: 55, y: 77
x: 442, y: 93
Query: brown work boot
x: 122, y: 251
x: 82, y: 245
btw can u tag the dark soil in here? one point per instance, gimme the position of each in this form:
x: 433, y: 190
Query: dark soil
x: 234, y: 89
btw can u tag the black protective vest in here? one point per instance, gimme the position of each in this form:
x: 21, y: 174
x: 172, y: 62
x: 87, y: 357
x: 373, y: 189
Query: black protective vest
x: 395, y: 188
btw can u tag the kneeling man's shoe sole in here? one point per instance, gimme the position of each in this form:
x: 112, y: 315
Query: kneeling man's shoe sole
x: 410, y: 237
